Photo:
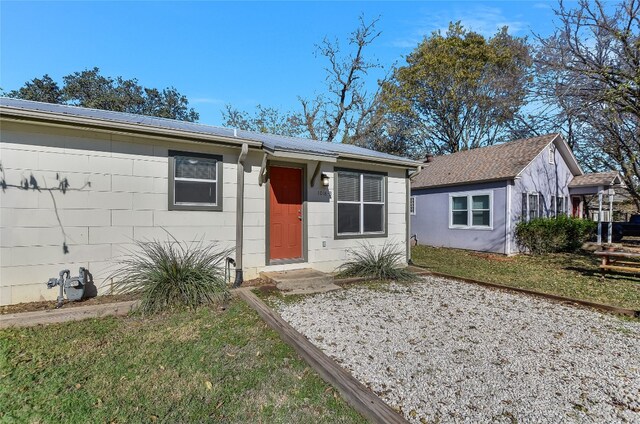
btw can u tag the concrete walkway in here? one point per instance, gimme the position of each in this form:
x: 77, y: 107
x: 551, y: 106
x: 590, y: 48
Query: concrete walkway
x: 301, y: 281
x: 52, y: 316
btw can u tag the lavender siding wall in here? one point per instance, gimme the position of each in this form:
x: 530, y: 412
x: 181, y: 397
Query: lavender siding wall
x: 431, y: 222
x: 540, y: 177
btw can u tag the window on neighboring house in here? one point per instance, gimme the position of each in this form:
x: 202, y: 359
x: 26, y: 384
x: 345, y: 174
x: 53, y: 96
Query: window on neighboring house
x: 195, y: 181
x: 552, y: 154
x: 558, y: 205
x: 412, y: 205
x: 470, y: 211
x: 532, y: 206
x: 360, y: 203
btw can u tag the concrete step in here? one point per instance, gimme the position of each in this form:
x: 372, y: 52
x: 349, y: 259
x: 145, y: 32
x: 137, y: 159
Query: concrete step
x: 300, y: 281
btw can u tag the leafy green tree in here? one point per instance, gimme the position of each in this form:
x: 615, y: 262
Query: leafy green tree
x: 89, y: 88
x: 42, y: 89
x: 458, y: 91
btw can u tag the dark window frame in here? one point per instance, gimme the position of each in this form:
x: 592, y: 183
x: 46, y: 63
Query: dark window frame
x: 385, y: 213
x: 219, y: 182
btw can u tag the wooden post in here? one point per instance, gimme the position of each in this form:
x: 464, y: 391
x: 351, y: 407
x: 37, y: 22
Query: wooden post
x: 610, y: 226
x: 600, y: 217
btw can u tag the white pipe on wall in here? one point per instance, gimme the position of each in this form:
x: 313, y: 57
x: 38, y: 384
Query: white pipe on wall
x: 240, y: 214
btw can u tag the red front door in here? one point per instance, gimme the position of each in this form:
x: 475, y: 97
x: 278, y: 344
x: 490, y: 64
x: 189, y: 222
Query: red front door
x: 285, y: 213
x: 575, y: 202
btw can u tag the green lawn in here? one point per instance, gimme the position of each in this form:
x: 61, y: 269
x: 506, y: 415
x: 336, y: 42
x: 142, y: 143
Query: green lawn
x: 220, y: 366
x: 571, y: 275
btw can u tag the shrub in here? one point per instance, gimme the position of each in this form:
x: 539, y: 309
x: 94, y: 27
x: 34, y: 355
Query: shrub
x: 548, y: 235
x: 173, y: 274
x: 382, y: 264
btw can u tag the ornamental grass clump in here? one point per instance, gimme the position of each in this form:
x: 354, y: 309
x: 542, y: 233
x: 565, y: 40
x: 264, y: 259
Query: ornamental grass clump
x: 384, y: 263
x: 172, y: 274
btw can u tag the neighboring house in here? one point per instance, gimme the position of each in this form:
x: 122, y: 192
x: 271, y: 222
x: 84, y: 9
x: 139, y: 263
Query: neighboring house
x: 280, y: 202
x: 584, y: 191
x: 473, y: 199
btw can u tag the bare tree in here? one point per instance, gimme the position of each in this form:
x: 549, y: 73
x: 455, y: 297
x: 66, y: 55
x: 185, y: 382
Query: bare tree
x: 346, y: 106
x: 592, y: 69
x: 345, y: 111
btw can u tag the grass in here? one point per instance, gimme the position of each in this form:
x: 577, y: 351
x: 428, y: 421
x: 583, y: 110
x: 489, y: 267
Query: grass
x: 574, y: 275
x: 208, y: 365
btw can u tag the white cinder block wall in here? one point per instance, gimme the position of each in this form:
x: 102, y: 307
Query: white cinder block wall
x: 118, y: 193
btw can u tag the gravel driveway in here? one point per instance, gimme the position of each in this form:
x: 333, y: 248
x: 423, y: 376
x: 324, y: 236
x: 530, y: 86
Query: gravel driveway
x: 447, y: 351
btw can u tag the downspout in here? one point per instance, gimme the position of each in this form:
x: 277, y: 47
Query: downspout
x: 408, y: 218
x: 507, y: 221
x: 408, y: 211
x: 240, y: 214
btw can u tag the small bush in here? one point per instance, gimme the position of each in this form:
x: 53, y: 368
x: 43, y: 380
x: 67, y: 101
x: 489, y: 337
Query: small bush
x: 549, y: 235
x: 173, y: 274
x: 381, y: 264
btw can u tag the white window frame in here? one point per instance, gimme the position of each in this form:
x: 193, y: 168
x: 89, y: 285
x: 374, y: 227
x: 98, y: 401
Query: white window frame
x: 412, y: 205
x: 469, y: 195
x: 362, y: 233
x: 552, y: 154
x: 537, y: 207
x: 559, y: 211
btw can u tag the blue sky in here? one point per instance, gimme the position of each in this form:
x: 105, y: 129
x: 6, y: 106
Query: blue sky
x: 241, y: 53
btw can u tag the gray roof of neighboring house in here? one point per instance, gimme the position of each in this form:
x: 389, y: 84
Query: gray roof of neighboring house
x: 596, y: 179
x: 492, y: 163
x: 268, y: 141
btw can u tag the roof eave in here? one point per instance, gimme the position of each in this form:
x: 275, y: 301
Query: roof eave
x: 46, y: 117
x: 19, y: 114
x: 403, y: 163
x: 490, y: 180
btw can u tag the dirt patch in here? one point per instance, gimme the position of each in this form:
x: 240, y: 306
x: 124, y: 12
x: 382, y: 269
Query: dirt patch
x: 267, y: 289
x: 256, y: 282
x: 51, y: 304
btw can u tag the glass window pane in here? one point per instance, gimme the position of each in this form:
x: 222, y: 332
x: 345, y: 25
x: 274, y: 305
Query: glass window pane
x: 348, y: 187
x: 480, y: 202
x: 560, y: 205
x: 481, y: 218
x: 373, y: 218
x: 199, y: 168
x: 195, y: 192
x: 533, y: 206
x: 348, y: 218
x: 459, y: 203
x: 459, y: 218
x: 372, y: 188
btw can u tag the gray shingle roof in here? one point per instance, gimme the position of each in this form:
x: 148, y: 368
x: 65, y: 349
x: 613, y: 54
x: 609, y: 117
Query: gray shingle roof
x: 596, y: 179
x: 492, y: 163
x: 269, y: 141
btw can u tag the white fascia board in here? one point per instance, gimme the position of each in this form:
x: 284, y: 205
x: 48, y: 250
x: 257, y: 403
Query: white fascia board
x: 22, y: 115
x: 302, y: 156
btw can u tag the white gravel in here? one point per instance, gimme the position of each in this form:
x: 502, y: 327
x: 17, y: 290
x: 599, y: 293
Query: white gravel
x: 447, y: 351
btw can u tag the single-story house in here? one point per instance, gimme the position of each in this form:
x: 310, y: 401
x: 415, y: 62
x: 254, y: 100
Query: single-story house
x: 79, y: 186
x: 473, y: 199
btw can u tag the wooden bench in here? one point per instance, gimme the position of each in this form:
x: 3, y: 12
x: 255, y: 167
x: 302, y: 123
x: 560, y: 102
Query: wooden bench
x: 617, y: 261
